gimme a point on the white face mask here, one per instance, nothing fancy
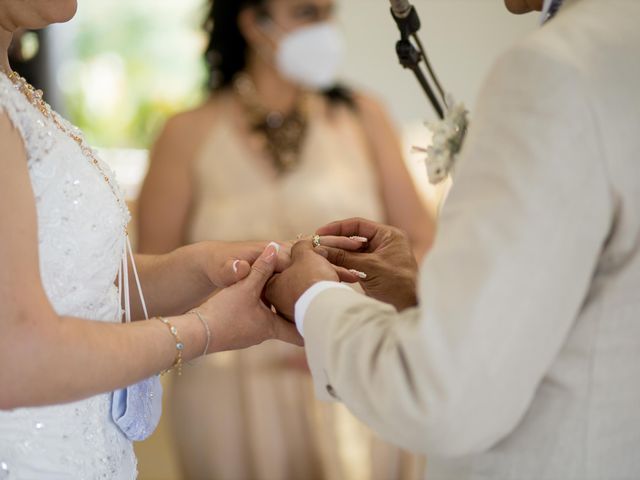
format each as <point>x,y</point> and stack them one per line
<point>311,56</point>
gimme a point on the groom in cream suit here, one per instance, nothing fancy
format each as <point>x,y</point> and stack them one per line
<point>515,352</point>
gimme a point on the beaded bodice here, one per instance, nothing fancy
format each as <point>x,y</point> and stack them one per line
<point>81,238</point>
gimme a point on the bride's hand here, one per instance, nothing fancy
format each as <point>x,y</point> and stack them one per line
<point>225,263</point>
<point>236,315</point>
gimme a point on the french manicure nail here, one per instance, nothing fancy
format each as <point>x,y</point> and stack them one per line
<point>274,254</point>
<point>359,274</point>
<point>235,265</point>
<point>359,239</point>
<point>275,245</point>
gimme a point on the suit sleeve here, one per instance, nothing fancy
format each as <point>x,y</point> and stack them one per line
<point>517,246</point>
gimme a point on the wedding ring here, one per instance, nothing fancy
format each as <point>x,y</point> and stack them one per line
<point>316,241</point>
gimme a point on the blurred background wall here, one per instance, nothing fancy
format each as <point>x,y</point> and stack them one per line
<point>462,37</point>
<point>121,67</point>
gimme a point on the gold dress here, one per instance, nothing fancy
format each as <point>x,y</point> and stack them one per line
<point>252,414</point>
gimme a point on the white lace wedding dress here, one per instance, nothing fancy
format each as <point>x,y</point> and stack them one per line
<point>81,240</point>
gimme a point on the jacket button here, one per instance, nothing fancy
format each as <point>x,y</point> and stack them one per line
<point>332,391</point>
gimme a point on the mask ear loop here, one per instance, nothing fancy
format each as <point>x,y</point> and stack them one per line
<point>123,282</point>
<point>262,14</point>
<point>271,28</point>
<point>267,54</point>
<point>137,278</point>
<point>125,290</point>
<point>120,290</point>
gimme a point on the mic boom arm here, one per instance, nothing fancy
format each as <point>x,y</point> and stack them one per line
<point>410,56</point>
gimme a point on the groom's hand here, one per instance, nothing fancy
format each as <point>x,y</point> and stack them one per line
<point>387,260</point>
<point>306,269</point>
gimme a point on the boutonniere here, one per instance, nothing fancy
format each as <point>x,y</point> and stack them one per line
<point>448,132</point>
<point>447,137</point>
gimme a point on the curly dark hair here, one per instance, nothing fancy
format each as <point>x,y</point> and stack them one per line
<point>226,53</point>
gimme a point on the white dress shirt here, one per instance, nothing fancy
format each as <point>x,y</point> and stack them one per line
<point>302,305</point>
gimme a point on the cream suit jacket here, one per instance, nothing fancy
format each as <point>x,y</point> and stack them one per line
<point>523,358</point>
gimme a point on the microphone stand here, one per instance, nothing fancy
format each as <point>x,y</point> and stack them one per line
<point>411,57</point>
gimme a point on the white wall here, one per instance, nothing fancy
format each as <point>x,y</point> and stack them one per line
<point>462,38</point>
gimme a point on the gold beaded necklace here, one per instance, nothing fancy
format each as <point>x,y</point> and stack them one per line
<point>35,98</point>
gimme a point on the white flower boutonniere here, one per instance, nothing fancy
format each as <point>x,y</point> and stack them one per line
<point>447,137</point>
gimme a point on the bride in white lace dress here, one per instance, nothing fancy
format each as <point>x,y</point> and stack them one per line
<point>62,245</point>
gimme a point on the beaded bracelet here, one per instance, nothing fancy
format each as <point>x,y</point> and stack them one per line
<point>206,328</point>
<point>177,364</point>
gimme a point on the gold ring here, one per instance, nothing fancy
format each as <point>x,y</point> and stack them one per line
<point>316,241</point>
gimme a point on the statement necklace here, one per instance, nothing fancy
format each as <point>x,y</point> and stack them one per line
<point>284,133</point>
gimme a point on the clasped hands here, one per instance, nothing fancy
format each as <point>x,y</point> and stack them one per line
<point>262,285</point>
<point>376,256</point>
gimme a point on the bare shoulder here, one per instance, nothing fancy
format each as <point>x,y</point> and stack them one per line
<point>369,105</point>
<point>374,117</point>
<point>186,131</point>
<point>194,121</point>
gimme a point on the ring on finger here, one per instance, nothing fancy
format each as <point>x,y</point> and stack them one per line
<point>316,241</point>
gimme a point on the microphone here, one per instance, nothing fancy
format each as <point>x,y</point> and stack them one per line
<point>406,17</point>
<point>400,8</point>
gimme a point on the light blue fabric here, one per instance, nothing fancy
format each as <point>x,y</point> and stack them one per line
<point>136,410</point>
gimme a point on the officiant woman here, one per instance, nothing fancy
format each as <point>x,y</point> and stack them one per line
<point>276,150</point>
